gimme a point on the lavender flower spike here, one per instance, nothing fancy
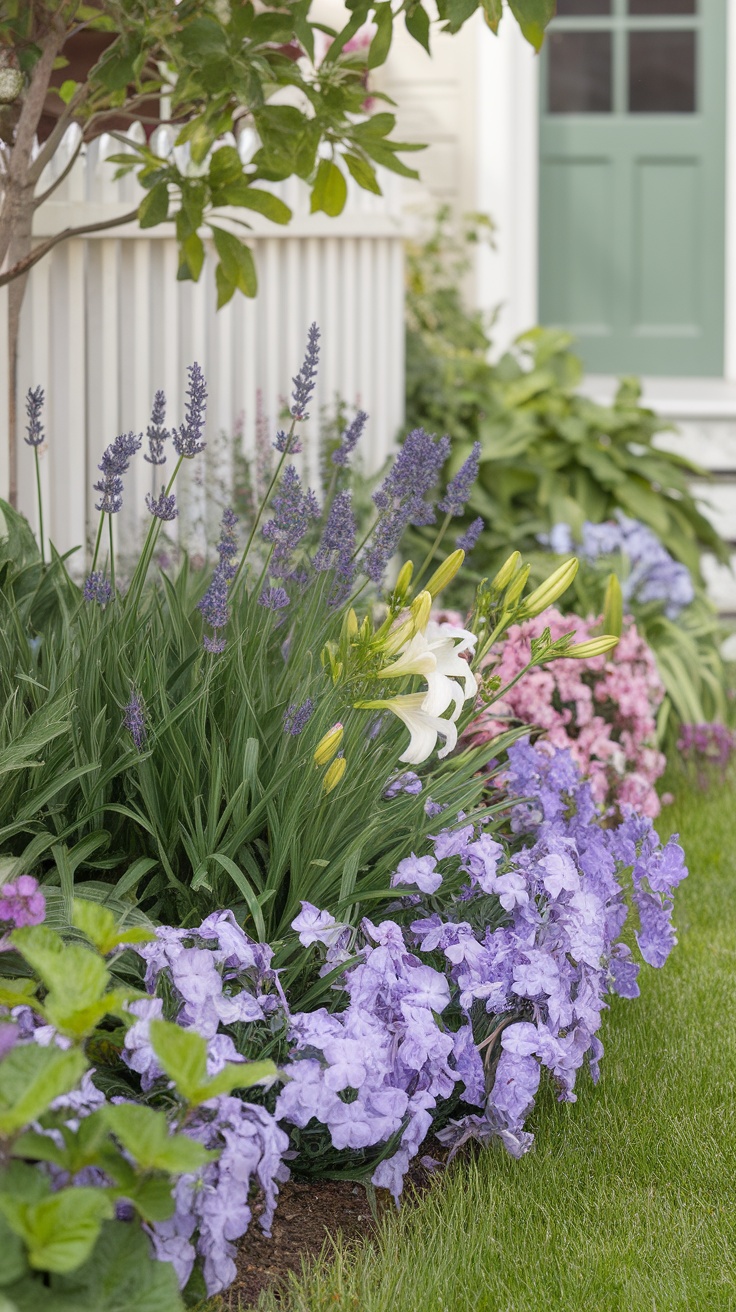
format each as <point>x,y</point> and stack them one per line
<point>134,719</point>
<point>274,599</point>
<point>458,489</point>
<point>296,717</point>
<point>156,433</point>
<point>214,604</point>
<point>287,443</point>
<point>188,439</point>
<point>162,507</point>
<point>98,589</point>
<point>113,465</point>
<point>304,382</point>
<point>34,408</point>
<point>337,547</point>
<point>350,439</point>
<point>467,540</point>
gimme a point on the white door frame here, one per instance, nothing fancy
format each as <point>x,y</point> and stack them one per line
<point>507,181</point>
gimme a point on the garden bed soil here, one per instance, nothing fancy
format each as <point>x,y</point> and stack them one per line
<point>308,1213</point>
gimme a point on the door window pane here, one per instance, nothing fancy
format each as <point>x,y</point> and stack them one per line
<point>643,8</point>
<point>573,8</point>
<point>662,72</point>
<point>579,73</point>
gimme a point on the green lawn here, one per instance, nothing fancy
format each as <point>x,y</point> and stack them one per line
<point>628,1201</point>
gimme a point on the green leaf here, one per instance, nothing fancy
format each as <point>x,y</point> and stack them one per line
<point>15,991</point>
<point>363,173</point>
<point>60,1231</point>
<point>63,967</point>
<point>146,1136</point>
<point>192,258</point>
<point>533,17</point>
<point>154,208</point>
<point>67,89</point>
<point>121,1276</point>
<point>381,43</point>
<point>225,288</point>
<point>417,25</point>
<point>31,1078</point>
<point>182,1054</point>
<point>13,1265</point>
<point>225,167</point>
<point>99,925</point>
<point>237,261</point>
<point>330,191</point>
<point>493,13</point>
<point>237,1075</point>
<point>252,198</point>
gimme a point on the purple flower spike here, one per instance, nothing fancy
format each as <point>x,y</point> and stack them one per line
<point>467,540</point>
<point>22,902</point>
<point>292,511</point>
<point>97,589</point>
<point>337,548</point>
<point>134,719</point>
<point>402,497</point>
<point>188,439</point>
<point>162,507</point>
<point>34,408</point>
<point>214,604</point>
<point>274,599</point>
<point>288,442</point>
<point>296,717</point>
<point>350,438</point>
<point>305,380</point>
<point>458,489</point>
<point>156,433</point>
<point>113,465</point>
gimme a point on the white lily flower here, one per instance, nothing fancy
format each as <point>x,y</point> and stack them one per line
<point>414,658</point>
<point>436,655</point>
<point>423,727</point>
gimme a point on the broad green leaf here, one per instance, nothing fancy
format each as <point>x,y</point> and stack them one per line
<point>67,90</point>
<point>59,1231</point>
<point>225,167</point>
<point>146,1136</point>
<point>237,261</point>
<point>182,1054</point>
<point>225,288</point>
<point>15,991</point>
<point>381,43</point>
<point>417,25</point>
<point>154,208</point>
<point>191,258</point>
<point>533,17</point>
<point>100,927</point>
<point>238,1075</point>
<point>239,193</point>
<point>121,1276</point>
<point>13,1265</point>
<point>363,173</point>
<point>493,13</point>
<point>65,968</point>
<point>79,1022</point>
<point>31,1078</point>
<point>330,191</point>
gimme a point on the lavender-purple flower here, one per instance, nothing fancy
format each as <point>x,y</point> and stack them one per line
<point>458,489</point>
<point>214,604</point>
<point>156,433</point>
<point>467,540</point>
<point>134,719</point>
<point>296,717</point>
<point>274,599</point>
<point>113,465</point>
<point>188,438</point>
<point>292,511</point>
<point>402,497</point>
<point>337,547</point>
<point>350,438</point>
<point>305,380</point>
<point>97,589</point>
<point>163,506</point>
<point>34,410</point>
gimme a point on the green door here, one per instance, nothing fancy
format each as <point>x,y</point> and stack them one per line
<point>632,200</point>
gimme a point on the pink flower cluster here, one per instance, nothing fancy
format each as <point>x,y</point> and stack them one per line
<point>603,710</point>
<point>22,903</point>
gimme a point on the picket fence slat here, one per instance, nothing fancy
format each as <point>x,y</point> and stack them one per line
<point>105,323</point>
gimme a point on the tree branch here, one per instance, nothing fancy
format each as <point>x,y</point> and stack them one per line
<point>38,252</point>
<point>47,151</point>
<point>33,102</point>
<point>39,200</point>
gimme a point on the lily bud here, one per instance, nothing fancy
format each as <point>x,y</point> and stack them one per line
<point>550,590</point>
<point>328,745</point>
<point>445,573</point>
<point>596,647</point>
<point>506,572</point>
<point>613,607</point>
<point>420,609</point>
<point>351,623</point>
<point>403,582</point>
<point>517,587</point>
<point>335,774</point>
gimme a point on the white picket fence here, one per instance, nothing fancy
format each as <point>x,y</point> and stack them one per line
<point>105,323</point>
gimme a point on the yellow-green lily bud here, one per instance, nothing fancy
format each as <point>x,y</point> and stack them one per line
<point>613,607</point>
<point>517,587</point>
<point>328,745</point>
<point>403,582</point>
<point>506,572</point>
<point>335,774</point>
<point>445,573</point>
<point>351,624</point>
<point>366,628</point>
<point>420,609</point>
<point>596,647</point>
<point>550,590</point>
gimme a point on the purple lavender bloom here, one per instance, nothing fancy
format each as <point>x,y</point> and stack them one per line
<point>22,902</point>
<point>467,540</point>
<point>274,599</point>
<point>402,497</point>
<point>458,489</point>
<point>188,439</point>
<point>97,589</point>
<point>163,506</point>
<point>409,782</point>
<point>34,409</point>
<point>113,465</point>
<point>134,719</point>
<point>214,604</point>
<point>350,438</point>
<point>288,443</point>
<point>156,433</point>
<point>292,511</point>
<point>305,380</point>
<point>337,548</point>
<point>296,717</point>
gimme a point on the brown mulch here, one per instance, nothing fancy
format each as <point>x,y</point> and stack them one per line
<point>309,1212</point>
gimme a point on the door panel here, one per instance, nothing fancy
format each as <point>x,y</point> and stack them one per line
<point>632,199</point>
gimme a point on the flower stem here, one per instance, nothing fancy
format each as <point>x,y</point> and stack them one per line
<point>98,541</point>
<point>40,505</point>
<point>112,555</point>
<point>262,507</point>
